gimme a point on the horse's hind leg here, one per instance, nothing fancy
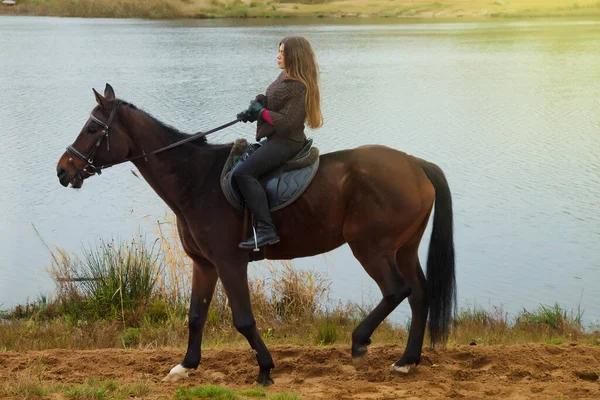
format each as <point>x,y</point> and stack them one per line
<point>408,263</point>
<point>394,288</point>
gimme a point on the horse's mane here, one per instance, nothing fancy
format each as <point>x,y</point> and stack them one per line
<point>176,133</point>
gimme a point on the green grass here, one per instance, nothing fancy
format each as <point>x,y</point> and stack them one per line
<point>206,392</point>
<point>115,281</point>
<point>253,393</point>
<point>284,396</point>
<point>547,324</point>
<point>221,393</point>
<point>95,389</point>
<point>326,332</point>
<point>552,316</point>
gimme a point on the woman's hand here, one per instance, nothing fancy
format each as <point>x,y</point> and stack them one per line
<point>254,111</point>
<point>244,116</point>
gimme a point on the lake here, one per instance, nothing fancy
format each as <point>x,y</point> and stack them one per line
<point>510,110</point>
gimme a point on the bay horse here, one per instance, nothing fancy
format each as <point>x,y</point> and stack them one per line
<point>376,199</point>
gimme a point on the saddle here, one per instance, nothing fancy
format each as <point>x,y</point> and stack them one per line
<point>283,185</point>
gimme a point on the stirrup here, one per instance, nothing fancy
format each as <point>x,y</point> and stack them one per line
<point>255,249</point>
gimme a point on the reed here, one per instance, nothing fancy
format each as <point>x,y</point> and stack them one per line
<point>550,324</point>
<point>115,281</point>
<point>134,294</point>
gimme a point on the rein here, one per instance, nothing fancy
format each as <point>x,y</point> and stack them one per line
<point>195,136</point>
<point>90,169</point>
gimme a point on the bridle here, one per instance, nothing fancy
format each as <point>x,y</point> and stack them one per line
<point>90,169</point>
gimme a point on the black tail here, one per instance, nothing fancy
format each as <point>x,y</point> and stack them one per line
<point>441,281</point>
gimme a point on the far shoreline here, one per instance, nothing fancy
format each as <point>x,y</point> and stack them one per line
<point>391,11</point>
<point>329,20</point>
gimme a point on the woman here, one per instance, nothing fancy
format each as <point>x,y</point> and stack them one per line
<point>290,101</point>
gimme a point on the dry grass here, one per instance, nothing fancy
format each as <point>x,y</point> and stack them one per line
<point>27,383</point>
<point>547,324</point>
<point>174,286</point>
<point>127,295</point>
<point>441,9</point>
<point>31,383</point>
<point>122,294</point>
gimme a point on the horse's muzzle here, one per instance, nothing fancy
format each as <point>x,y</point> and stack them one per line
<point>63,176</point>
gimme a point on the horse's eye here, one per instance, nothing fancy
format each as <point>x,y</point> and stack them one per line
<point>92,130</point>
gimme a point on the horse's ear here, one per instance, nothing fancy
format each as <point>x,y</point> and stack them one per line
<point>109,93</point>
<point>99,99</point>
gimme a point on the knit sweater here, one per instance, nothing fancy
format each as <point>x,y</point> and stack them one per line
<point>285,102</point>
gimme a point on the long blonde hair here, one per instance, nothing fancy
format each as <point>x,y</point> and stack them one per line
<point>301,65</point>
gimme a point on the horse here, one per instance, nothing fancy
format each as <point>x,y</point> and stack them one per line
<point>376,199</point>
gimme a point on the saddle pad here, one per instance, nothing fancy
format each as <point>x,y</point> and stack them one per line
<point>282,186</point>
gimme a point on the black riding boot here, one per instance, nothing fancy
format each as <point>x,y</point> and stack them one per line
<point>257,202</point>
<point>269,156</point>
<point>265,235</point>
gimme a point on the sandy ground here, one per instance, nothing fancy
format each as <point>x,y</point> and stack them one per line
<point>469,372</point>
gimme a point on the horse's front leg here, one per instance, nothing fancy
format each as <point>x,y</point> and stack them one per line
<point>235,283</point>
<point>204,279</point>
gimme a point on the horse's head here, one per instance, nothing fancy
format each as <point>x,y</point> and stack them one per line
<point>102,141</point>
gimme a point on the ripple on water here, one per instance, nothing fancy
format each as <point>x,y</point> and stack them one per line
<point>517,140</point>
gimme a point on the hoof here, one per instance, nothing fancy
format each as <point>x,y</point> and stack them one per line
<point>403,370</point>
<point>358,355</point>
<point>264,378</point>
<point>177,373</point>
<point>265,381</point>
<point>359,351</point>
<point>268,381</point>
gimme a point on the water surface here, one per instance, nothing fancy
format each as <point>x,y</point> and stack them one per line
<point>510,111</point>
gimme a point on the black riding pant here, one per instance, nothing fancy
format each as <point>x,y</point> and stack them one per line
<point>272,154</point>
